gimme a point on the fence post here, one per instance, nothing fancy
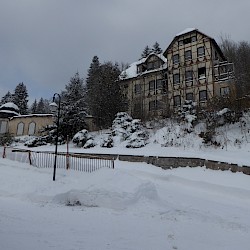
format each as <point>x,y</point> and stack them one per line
<point>4,151</point>
<point>67,154</point>
<point>30,158</point>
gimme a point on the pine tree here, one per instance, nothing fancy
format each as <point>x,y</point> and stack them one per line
<point>33,108</point>
<point>93,84</point>
<point>73,109</point>
<point>41,106</point>
<point>146,52</point>
<point>20,98</point>
<point>156,48</point>
<point>104,95</point>
<point>8,97</point>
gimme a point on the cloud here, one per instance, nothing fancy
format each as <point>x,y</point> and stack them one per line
<point>44,42</point>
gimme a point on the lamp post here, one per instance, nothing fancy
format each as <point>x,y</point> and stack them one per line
<point>54,107</point>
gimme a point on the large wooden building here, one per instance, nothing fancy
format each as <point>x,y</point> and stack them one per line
<point>192,67</point>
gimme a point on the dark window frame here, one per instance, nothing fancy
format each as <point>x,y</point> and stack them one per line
<point>200,51</point>
<point>202,95</point>
<point>188,55</point>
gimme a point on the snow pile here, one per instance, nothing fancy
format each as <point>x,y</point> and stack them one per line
<point>134,206</point>
<point>107,199</point>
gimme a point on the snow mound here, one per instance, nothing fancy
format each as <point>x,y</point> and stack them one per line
<point>108,199</point>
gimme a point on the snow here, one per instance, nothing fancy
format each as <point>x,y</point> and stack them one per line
<point>134,206</point>
<point>131,71</point>
<point>10,105</point>
<point>187,30</point>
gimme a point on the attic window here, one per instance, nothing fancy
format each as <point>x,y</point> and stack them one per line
<point>187,40</point>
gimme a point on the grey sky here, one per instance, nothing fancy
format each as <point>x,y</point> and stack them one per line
<point>45,42</point>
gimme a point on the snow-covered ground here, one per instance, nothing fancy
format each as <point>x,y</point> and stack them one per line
<point>134,206</point>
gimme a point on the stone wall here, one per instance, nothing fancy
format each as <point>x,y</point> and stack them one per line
<point>175,162</point>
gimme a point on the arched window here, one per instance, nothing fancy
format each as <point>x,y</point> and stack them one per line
<point>3,127</point>
<point>20,128</point>
<point>32,128</point>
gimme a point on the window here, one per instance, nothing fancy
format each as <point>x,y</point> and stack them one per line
<point>152,85</point>
<point>189,76</point>
<point>187,40</point>
<point>155,105</point>
<point>159,84</point>
<point>3,127</point>
<point>188,55</point>
<point>202,73</point>
<point>193,38</point>
<point>32,127</point>
<point>20,128</point>
<point>224,91</point>
<point>203,95</point>
<point>150,65</point>
<point>138,89</point>
<point>177,100</point>
<point>180,43</point>
<point>176,59</point>
<point>176,78</point>
<point>200,51</point>
<point>137,107</point>
<point>189,96</point>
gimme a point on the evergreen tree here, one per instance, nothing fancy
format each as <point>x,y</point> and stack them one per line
<point>73,107</point>
<point>156,48</point>
<point>41,107</point>
<point>104,95</point>
<point>146,52</point>
<point>20,98</point>
<point>33,108</point>
<point>93,83</point>
<point>8,97</point>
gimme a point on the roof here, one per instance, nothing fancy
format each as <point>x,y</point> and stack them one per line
<point>189,30</point>
<point>30,115</point>
<point>131,71</point>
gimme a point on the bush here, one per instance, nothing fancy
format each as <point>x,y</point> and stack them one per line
<point>6,139</point>
<point>35,142</point>
<point>107,142</point>
<point>83,139</point>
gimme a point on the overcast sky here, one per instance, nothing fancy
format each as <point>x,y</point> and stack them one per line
<point>45,42</point>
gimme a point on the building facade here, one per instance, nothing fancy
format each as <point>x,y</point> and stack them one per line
<point>192,67</point>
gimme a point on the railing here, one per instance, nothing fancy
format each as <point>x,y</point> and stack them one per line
<point>43,159</point>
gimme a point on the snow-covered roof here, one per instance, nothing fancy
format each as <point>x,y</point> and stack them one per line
<point>131,71</point>
<point>187,30</point>
<point>9,105</point>
<point>30,115</point>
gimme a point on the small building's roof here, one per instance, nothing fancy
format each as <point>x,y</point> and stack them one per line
<point>9,106</point>
<point>9,109</point>
<point>30,115</point>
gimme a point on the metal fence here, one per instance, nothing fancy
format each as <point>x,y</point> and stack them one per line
<point>42,159</point>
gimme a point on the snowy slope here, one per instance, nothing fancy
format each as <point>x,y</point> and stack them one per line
<point>134,206</point>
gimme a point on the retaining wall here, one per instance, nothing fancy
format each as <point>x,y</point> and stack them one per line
<point>175,162</point>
